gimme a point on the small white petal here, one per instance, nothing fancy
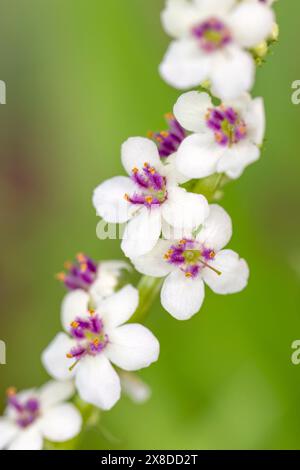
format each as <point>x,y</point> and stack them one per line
<point>251,23</point>
<point>153,263</point>
<point>198,155</point>
<point>75,304</point>
<point>232,73</point>
<point>234,273</point>
<point>184,210</point>
<point>54,392</point>
<point>97,382</point>
<point>29,439</point>
<point>256,120</point>
<point>109,199</point>
<point>54,357</point>
<point>137,390</point>
<point>184,65</point>
<point>215,6</point>
<point>142,232</point>
<point>238,157</point>
<point>182,297</point>
<point>178,17</point>
<point>119,307</point>
<point>171,172</point>
<point>132,347</point>
<point>137,151</point>
<point>8,431</point>
<point>61,423</point>
<point>216,230</point>
<point>190,110</point>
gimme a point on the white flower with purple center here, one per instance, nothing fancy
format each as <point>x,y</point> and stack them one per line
<point>34,415</point>
<point>169,141</point>
<point>148,199</point>
<point>211,42</point>
<point>99,279</point>
<point>189,263</point>
<point>226,139</point>
<point>97,338</point>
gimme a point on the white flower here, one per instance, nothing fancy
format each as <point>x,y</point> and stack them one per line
<point>33,415</point>
<point>99,279</point>
<point>147,199</point>
<point>97,338</point>
<point>226,138</point>
<point>210,41</point>
<point>190,262</point>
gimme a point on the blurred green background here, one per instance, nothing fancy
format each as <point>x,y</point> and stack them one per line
<point>81,77</point>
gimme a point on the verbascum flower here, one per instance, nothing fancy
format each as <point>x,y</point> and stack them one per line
<point>34,415</point>
<point>99,279</point>
<point>189,263</point>
<point>132,386</point>
<point>147,199</point>
<point>94,339</point>
<point>211,42</point>
<point>226,139</point>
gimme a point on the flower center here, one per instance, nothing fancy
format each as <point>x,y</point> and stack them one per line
<point>79,275</point>
<point>90,337</point>
<point>190,257</point>
<point>151,186</point>
<point>26,412</point>
<point>212,35</point>
<point>169,141</point>
<point>226,124</point>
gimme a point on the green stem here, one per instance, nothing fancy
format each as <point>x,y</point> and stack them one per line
<point>148,288</point>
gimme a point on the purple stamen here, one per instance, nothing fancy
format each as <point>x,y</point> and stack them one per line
<point>169,141</point>
<point>226,124</point>
<point>79,275</point>
<point>26,412</point>
<point>151,185</point>
<point>212,35</point>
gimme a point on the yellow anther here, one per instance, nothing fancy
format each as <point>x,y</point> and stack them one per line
<point>91,311</point>
<point>150,134</point>
<point>69,356</point>
<point>60,276</point>
<point>164,134</point>
<point>126,197</point>
<point>169,116</point>
<point>11,391</point>
<point>81,257</point>
<point>188,275</point>
<point>212,254</point>
<point>96,341</point>
<point>74,324</point>
<point>149,199</point>
<point>135,170</point>
<point>83,267</point>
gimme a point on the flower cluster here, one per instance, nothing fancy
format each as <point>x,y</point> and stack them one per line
<point>173,228</point>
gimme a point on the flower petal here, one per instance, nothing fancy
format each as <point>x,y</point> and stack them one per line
<point>29,439</point>
<point>215,6</point>
<point>119,307</point>
<point>54,392</point>
<point>182,297</point>
<point>54,357</point>
<point>132,347</point>
<point>109,199</point>
<point>137,390</point>
<point>137,151</point>
<point>75,304</point>
<point>142,232</point>
<point>8,431</point>
<point>184,65</point>
<point>216,230</point>
<point>234,273</point>
<point>190,110</point>
<point>185,211</point>
<point>178,17</point>
<point>61,423</point>
<point>256,120</point>
<point>97,382</point>
<point>153,263</point>
<point>232,73</point>
<point>237,158</point>
<point>198,155</point>
<point>251,23</point>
